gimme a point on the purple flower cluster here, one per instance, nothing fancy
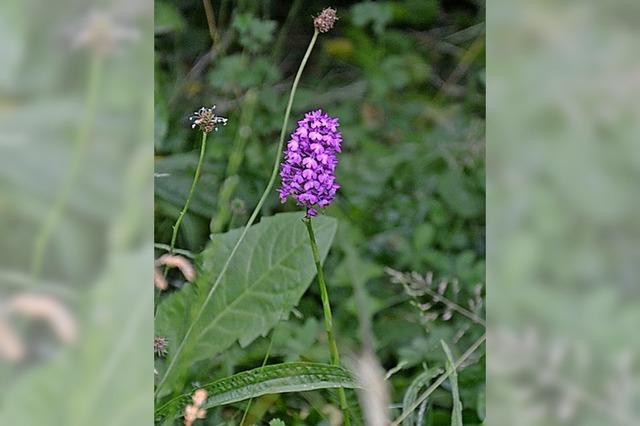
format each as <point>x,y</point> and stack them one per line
<point>308,169</point>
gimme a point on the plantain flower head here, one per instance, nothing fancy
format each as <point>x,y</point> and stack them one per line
<point>325,21</point>
<point>206,120</point>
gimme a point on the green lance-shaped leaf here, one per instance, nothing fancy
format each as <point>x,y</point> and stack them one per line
<point>456,412</point>
<point>411,395</point>
<point>278,378</point>
<point>266,278</point>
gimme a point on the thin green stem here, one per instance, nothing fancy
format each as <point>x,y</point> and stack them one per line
<point>196,177</point>
<point>82,140</point>
<point>328,318</point>
<point>264,362</point>
<point>252,218</point>
<point>183,212</point>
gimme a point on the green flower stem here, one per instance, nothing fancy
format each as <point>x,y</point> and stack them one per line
<point>328,318</point>
<point>196,177</point>
<point>183,212</point>
<point>252,218</point>
<point>79,151</point>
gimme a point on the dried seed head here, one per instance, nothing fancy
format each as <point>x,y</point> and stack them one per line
<point>324,22</point>
<point>159,281</point>
<point>160,346</point>
<point>193,412</point>
<point>199,397</point>
<point>206,120</point>
<point>173,261</point>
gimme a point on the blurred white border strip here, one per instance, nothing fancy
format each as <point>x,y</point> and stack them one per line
<point>563,225</point>
<point>76,182</point>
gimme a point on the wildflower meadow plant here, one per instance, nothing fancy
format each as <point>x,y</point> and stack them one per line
<point>237,282</point>
<point>207,121</point>
<point>308,169</point>
<point>308,176</point>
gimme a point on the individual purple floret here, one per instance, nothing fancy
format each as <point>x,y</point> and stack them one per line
<point>308,169</point>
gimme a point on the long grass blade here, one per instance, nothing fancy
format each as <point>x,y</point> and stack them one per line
<point>278,378</point>
<point>456,411</point>
<point>440,380</point>
<point>411,395</point>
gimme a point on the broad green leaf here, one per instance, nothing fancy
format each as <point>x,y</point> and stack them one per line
<point>266,278</point>
<point>278,378</point>
<point>456,412</point>
<point>411,395</point>
<point>276,422</point>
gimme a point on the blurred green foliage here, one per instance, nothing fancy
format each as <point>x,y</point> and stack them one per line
<point>564,214</point>
<point>406,79</point>
<point>76,112</point>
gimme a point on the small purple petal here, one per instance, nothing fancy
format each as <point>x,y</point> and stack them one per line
<point>310,161</point>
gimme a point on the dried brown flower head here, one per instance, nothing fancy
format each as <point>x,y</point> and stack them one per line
<point>193,412</point>
<point>160,346</point>
<point>172,261</point>
<point>199,397</point>
<point>206,120</point>
<point>324,22</point>
<point>159,281</point>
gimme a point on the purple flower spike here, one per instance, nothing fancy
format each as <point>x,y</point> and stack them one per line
<point>308,169</point>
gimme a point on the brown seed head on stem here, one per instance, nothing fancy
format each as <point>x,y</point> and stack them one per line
<point>324,22</point>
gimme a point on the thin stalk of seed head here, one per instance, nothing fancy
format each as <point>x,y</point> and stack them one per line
<point>252,218</point>
<point>82,140</point>
<point>196,177</point>
<point>328,318</point>
<point>211,23</point>
<point>440,380</point>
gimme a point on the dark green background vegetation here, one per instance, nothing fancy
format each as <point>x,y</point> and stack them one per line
<point>406,79</point>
